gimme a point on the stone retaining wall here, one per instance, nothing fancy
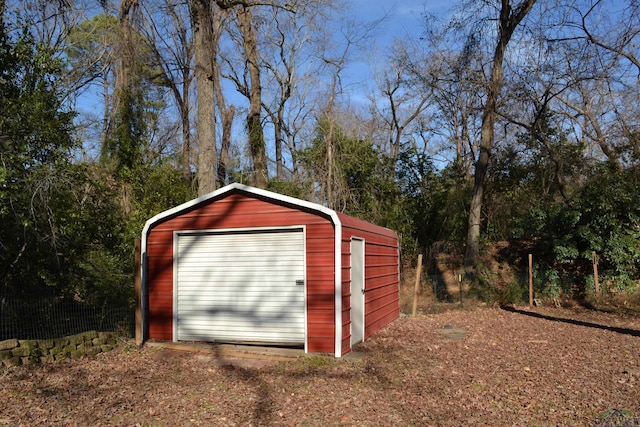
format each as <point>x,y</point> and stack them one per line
<point>16,352</point>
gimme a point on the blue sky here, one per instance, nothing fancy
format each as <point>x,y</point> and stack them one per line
<point>403,18</point>
<point>400,8</point>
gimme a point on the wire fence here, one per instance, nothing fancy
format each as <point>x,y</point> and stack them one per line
<point>55,318</point>
<point>513,287</point>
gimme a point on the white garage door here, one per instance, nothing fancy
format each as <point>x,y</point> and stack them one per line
<point>240,286</point>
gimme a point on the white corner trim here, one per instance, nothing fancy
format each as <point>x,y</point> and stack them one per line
<point>337,293</point>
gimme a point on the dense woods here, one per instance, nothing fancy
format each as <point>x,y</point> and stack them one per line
<point>500,121</point>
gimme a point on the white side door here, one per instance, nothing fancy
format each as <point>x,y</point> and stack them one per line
<point>357,291</point>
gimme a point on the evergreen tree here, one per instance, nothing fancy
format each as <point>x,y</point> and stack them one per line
<point>35,146</point>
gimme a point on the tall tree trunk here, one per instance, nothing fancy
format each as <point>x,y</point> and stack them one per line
<point>226,114</point>
<point>257,145</point>
<point>186,131</point>
<point>225,143</point>
<point>509,20</point>
<point>124,145</point>
<point>328,143</point>
<point>105,133</point>
<point>122,80</point>
<point>277,131</point>
<point>330,183</point>
<point>201,22</point>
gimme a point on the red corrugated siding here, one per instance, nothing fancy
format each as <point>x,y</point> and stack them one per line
<point>238,209</point>
<point>321,337</point>
<point>381,276</point>
<point>244,211</point>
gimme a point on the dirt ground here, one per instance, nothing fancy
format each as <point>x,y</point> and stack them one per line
<point>486,366</point>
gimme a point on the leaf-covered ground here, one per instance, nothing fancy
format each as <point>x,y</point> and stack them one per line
<point>481,367</point>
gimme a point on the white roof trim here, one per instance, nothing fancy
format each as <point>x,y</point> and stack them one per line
<point>269,195</point>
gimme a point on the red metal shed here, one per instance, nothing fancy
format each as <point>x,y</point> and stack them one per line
<point>247,265</point>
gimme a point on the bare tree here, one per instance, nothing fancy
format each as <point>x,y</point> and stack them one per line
<point>257,145</point>
<point>290,58</point>
<point>172,50</point>
<point>227,113</point>
<point>339,48</point>
<point>509,17</point>
<point>49,21</point>
<point>249,84</point>
<point>606,36</point>
<point>405,100</point>
<point>287,39</point>
<point>205,52</point>
<point>620,39</point>
<point>435,65</point>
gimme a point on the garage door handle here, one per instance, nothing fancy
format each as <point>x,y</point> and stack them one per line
<point>299,282</point>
